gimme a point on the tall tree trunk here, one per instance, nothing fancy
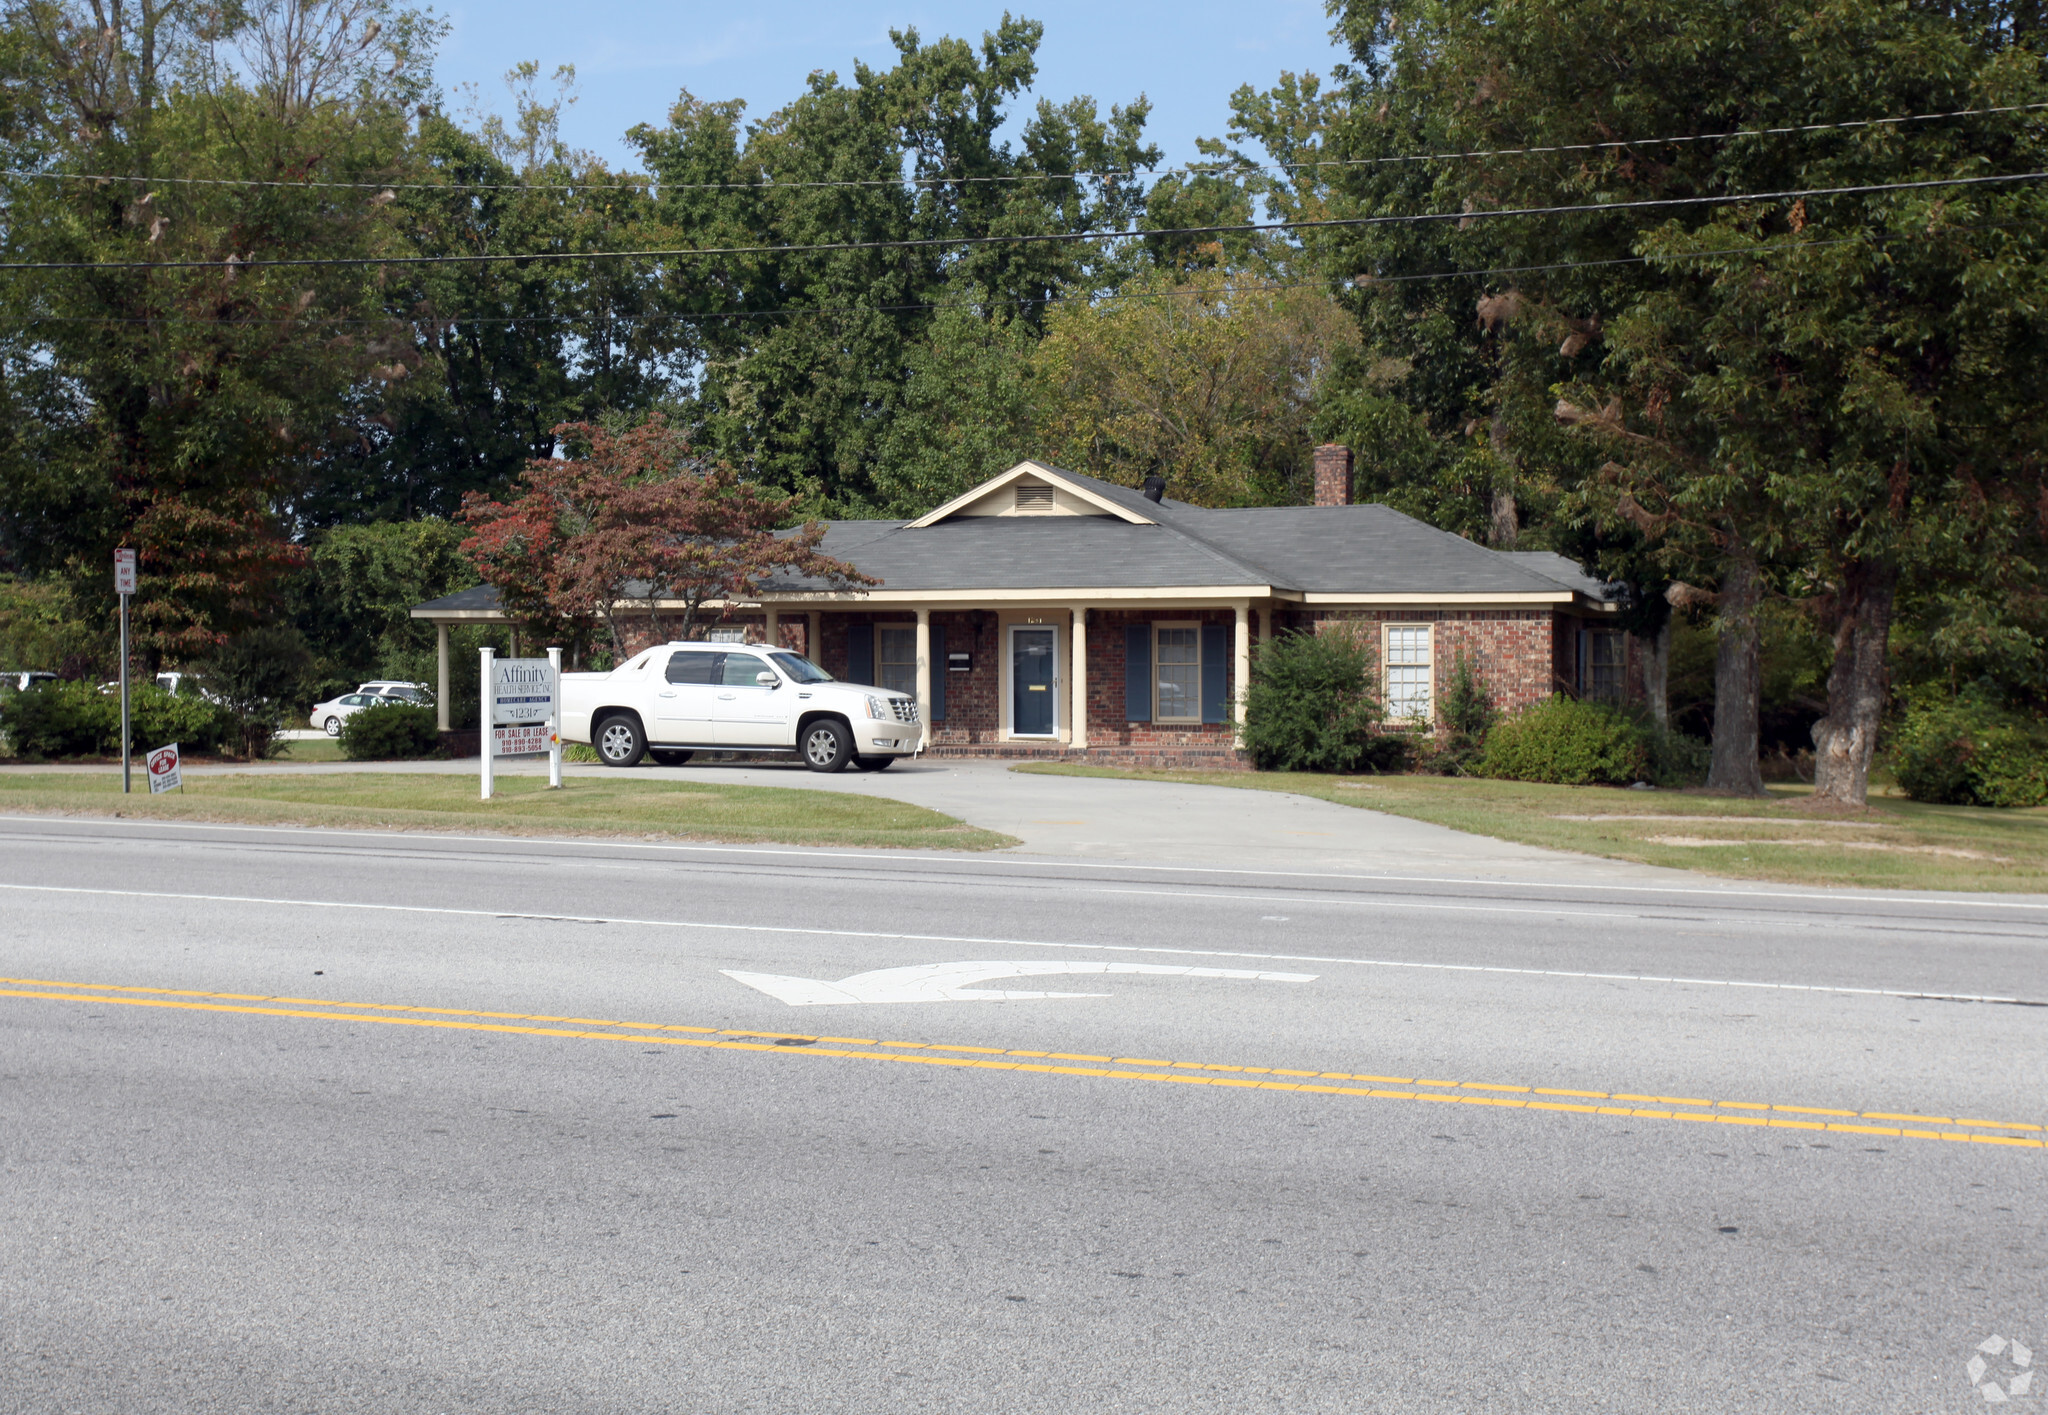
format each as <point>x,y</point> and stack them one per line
<point>1844,740</point>
<point>1738,679</point>
<point>1656,659</point>
<point>1504,518</point>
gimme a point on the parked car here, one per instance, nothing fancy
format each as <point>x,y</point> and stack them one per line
<point>329,716</point>
<point>682,698</point>
<point>21,682</point>
<point>395,688</point>
<point>173,682</point>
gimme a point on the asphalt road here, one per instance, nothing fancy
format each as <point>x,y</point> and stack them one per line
<point>321,1121</point>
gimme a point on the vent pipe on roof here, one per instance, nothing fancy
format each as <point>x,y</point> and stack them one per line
<point>1155,488</point>
<point>1333,474</point>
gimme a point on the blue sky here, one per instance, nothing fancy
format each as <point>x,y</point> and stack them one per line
<point>632,57</point>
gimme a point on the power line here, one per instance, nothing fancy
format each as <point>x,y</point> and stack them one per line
<point>649,184</point>
<point>236,264</point>
<point>1019,302</point>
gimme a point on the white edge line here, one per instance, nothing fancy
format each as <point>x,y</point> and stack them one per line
<point>1046,862</point>
<point>1914,993</point>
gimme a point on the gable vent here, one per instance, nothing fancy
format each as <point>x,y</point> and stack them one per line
<point>1034,498</point>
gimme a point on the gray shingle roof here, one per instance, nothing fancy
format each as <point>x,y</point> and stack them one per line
<point>1367,549</point>
<point>1342,550</point>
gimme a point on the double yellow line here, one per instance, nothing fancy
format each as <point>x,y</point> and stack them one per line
<point>1892,1124</point>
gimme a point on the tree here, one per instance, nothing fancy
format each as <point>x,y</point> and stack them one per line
<point>805,354</point>
<point>1210,383</point>
<point>1803,396</point>
<point>631,521</point>
<point>192,385</point>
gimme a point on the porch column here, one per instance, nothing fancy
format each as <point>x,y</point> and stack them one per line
<point>814,650</point>
<point>1078,715</point>
<point>515,645</point>
<point>772,630</point>
<point>1265,624</point>
<point>441,675</point>
<point>1244,668</point>
<point>924,671</point>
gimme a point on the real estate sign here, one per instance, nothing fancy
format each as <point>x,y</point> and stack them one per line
<point>522,706</point>
<point>164,773</point>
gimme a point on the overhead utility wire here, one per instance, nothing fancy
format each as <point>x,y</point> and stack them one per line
<point>1019,302</point>
<point>235,263</point>
<point>645,183</point>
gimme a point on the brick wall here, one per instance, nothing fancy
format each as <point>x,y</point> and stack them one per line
<point>1519,654</point>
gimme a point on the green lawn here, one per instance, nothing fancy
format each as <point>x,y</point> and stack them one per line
<point>325,749</point>
<point>524,806</point>
<point>1895,844</point>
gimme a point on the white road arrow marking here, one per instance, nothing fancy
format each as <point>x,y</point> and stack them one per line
<point>948,982</point>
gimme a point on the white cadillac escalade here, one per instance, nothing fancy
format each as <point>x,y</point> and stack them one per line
<point>681,698</point>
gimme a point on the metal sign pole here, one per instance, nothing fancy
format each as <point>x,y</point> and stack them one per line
<point>125,786</point>
<point>555,719</point>
<point>486,716</point>
<point>124,586</point>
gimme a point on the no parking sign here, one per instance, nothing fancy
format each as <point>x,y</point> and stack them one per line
<point>163,770</point>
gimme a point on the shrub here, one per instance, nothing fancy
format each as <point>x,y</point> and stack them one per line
<point>1469,714</point>
<point>256,677</point>
<point>78,720</point>
<point>1568,743</point>
<point>391,730</point>
<point>156,717</point>
<point>62,720</point>
<point>1970,750</point>
<point>1311,707</point>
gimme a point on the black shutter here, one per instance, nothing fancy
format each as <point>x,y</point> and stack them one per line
<point>939,669</point>
<point>1137,673</point>
<point>1215,673</point>
<point>860,653</point>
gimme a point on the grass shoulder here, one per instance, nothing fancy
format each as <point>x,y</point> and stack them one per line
<point>523,806</point>
<point>1894,844</point>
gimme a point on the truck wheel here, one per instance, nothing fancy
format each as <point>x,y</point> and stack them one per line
<point>828,745</point>
<point>668,756</point>
<point>620,742</point>
<point>873,763</point>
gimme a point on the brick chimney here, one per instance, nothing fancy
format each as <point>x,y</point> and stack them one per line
<point>1333,475</point>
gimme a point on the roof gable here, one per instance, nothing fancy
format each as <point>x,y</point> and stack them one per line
<point>1012,494</point>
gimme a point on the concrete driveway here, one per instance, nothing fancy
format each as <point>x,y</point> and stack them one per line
<point>1097,818</point>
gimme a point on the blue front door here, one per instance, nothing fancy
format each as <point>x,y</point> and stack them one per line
<point>1031,694</point>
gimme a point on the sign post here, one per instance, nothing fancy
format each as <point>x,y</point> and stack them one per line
<point>519,712</point>
<point>555,720</point>
<point>487,715</point>
<point>124,586</point>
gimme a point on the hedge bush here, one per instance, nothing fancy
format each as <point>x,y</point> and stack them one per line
<point>1970,750</point>
<point>1566,742</point>
<point>78,720</point>
<point>1311,707</point>
<point>389,731</point>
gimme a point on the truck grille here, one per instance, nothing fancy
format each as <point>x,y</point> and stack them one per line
<point>906,709</point>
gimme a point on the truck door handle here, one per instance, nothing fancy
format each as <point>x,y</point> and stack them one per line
<point>667,694</point>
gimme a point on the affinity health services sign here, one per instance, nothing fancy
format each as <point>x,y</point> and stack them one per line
<point>520,703</point>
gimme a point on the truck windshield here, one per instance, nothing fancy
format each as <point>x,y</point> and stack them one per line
<point>799,669</point>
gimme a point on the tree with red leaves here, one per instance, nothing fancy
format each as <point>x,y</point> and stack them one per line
<point>632,523</point>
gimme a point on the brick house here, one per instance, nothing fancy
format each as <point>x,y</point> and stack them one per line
<point>1047,613</point>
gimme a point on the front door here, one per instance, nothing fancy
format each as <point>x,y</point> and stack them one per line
<point>1032,712</point>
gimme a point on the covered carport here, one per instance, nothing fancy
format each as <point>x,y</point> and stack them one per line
<point>472,606</point>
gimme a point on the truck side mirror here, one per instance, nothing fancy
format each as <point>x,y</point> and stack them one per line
<point>767,679</point>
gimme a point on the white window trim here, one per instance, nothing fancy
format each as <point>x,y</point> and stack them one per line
<point>1387,666</point>
<point>1157,697</point>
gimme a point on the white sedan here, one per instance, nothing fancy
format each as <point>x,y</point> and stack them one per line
<point>329,716</point>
